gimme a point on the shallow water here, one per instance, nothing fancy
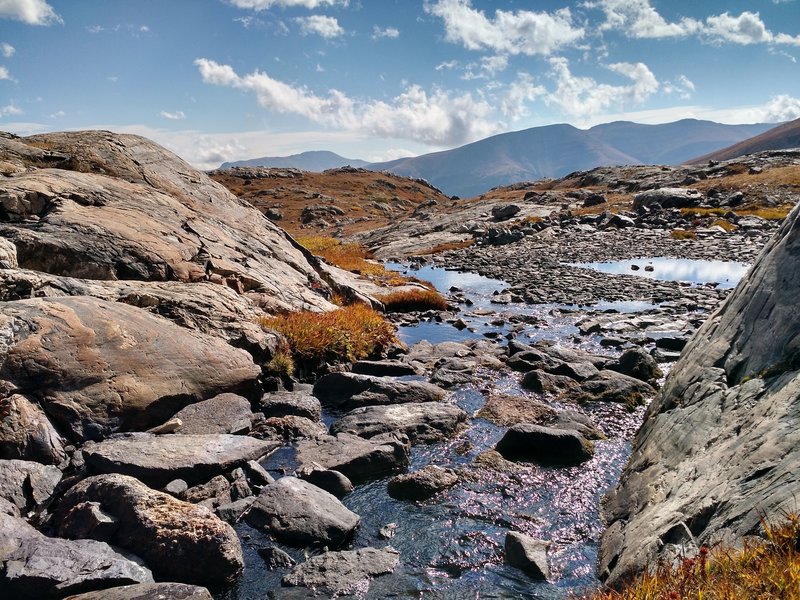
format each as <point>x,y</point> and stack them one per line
<point>451,546</point>
<point>725,274</point>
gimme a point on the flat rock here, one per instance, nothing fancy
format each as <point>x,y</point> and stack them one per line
<point>348,391</point>
<point>299,514</point>
<point>288,429</point>
<point>359,459</point>
<point>329,480</point>
<point>422,484</point>
<point>337,573</point>
<point>528,554</point>
<point>506,410</point>
<point>148,591</point>
<point>383,368</point>
<point>542,382</point>
<point>421,422</point>
<point>284,404</point>
<point>159,459</point>
<point>27,484</point>
<point>610,386</point>
<point>35,566</point>
<point>26,432</point>
<point>225,413</point>
<point>98,366</point>
<point>638,364</point>
<point>178,540</point>
<point>545,445</point>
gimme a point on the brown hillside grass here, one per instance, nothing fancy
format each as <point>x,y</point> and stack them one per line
<point>411,300</point>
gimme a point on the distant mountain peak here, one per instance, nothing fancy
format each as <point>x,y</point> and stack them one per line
<point>313,160</point>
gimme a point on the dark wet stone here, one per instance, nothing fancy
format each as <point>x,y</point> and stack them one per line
<point>545,445</point>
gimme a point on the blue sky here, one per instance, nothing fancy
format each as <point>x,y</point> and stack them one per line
<point>218,80</point>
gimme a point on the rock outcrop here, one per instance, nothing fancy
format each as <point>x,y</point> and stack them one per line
<point>720,448</point>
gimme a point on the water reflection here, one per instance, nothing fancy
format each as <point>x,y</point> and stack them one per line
<point>726,274</point>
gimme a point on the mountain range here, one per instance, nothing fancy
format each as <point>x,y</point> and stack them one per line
<point>779,138</point>
<point>540,152</point>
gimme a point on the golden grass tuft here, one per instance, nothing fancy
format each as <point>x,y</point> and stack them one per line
<point>445,247</point>
<point>767,569</point>
<point>350,257</point>
<point>683,234</point>
<point>345,335</point>
<point>726,225</point>
<point>411,300</point>
<point>282,363</point>
<point>777,213</point>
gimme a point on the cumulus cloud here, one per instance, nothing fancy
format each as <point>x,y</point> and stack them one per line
<point>10,109</point>
<point>265,4</point>
<point>487,68</point>
<point>7,50</point>
<point>388,32</point>
<point>514,104</point>
<point>521,32</point>
<point>780,108</point>
<point>4,74</point>
<point>327,27</point>
<point>583,97</point>
<point>639,19</point>
<point>32,12</point>
<point>437,117</point>
<point>682,86</point>
<point>173,116</point>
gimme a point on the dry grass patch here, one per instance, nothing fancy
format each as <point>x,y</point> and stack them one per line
<point>350,257</point>
<point>683,234</point>
<point>766,569</point>
<point>345,335</point>
<point>411,300</point>
<point>445,247</point>
<point>726,225</point>
<point>777,213</point>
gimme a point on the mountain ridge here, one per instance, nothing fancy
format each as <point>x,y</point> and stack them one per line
<point>312,160</point>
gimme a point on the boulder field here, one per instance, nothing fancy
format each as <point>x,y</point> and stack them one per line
<point>719,450</point>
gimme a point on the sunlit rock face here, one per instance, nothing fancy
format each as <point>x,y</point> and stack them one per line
<point>720,448</point>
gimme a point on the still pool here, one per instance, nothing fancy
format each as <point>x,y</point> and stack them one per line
<point>724,274</point>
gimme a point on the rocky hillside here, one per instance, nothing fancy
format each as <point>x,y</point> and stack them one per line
<point>780,138</point>
<point>337,201</point>
<point>719,450</point>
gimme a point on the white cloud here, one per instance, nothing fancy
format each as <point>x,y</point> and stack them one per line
<point>682,86</point>
<point>32,12</point>
<point>4,74</point>
<point>520,32</point>
<point>7,50</point>
<point>640,20</point>
<point>583,97</point>
<point>265,4</point>
<point>390,154</point>
<point>514,105</point>
<point>58,114</point>
<point>10,109</point>
<point>173,116</point>
<point>388,32</point>
<point>780,108</point>
<point>487,68</point>
<point>327,27</point>
<point>438,117</point>
<point>447,65</point>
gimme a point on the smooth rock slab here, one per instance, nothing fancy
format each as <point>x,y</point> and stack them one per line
<point>359,459</point>
<point>528,554</point>
<point>225,413</point>
<point>339,573</point>
<point>26,432</point>
<point>422,484</point>
<point>284,404</point>
<point>348,390</point>
<point>179,541</point>
<point>26,483</point>
<point>421,422</point>
<point>35,566</point>
<point>545,445</point>
<point>158,459</point>
<point>610,386</point>
<point>97,366</point>
<point>148,591</point>
<point>300,514</point>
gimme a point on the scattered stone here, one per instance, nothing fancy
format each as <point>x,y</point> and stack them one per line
<point>638,364</point>
<point>422,422</point>
<point>502,212</point>
<point>284,404</point>
<point>275,558</point>
<point>27,434</point>
<point>541,382</point>
<point>357,458</point>
<point>298,513</point>
<point>159,459</point>
<point>527,554</point>
<point>27,484</point>
<point>329,480</point>
<point>225,413</point>
<point>148,591</point>
<point>610,386</point>
<point>288,429</point>
<point>545,445</point>
<point>180,541</point>
<point>383,368</point>
<point>422,484</point>
<point>338,573</point>
<point>348,390</point>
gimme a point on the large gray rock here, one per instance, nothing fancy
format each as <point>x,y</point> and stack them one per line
<point>98,366</point>
<point>545,445</point>
<point>338,573</point>
<point>27,484</point>
<point>421,422</point>
<point>422,484</point>
<point>26,432</point>
<point>35,566</point>
<point>300,514</point>
<point>225,413</point>
<point>359,459</point>
<point>284,404</point>
<point>179,541</point>
<point>719,449</point>
<point>528,554</point>
<point>153,217</point>
<point>148,591</point>
<point>348,391</point>
<point>668,197</point>
<point>610,386</point>
<point>159,459</point>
